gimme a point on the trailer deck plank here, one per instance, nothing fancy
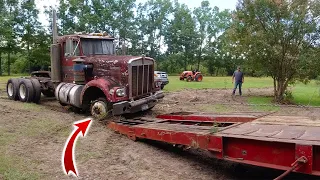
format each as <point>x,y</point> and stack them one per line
<point>289,120</point>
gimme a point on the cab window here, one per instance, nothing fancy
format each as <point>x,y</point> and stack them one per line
<point>76,49</point>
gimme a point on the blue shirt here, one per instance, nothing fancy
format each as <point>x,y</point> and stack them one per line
<point>238,75</point>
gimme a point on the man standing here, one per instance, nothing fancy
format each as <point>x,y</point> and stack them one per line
<point>238,79</point>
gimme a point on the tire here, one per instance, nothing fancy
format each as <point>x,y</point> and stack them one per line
<point>13,89</point>
<point>189,79</point>
<point>26,90</point>
<point>37,90</point>
<point>199,77</point>
<point>99,109</point>
<point>162,86</point>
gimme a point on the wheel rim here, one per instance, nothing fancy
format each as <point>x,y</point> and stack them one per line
<point>10,89</point>
<point>22,91</point>
<point>200,78</point>
<point>98,109</point>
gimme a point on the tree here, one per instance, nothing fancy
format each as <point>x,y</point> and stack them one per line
<point>28,26</point>
<point>276,35</point>
<point>181,34</point>
<point>203,16</point>
<point>9,34</point>
<point>2,31</point>
<point>122,25</point>
<point>101,18</point>
<point>154,22</point>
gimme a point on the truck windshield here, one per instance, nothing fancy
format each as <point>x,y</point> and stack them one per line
<point>97,47</point>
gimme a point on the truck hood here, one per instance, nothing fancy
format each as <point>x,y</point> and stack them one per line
<point>110,59</point>
<point>111,66</point>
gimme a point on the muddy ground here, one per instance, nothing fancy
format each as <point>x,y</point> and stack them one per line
<point>32,138</point>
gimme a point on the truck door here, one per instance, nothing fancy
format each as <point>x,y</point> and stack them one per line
<point>71,51</point>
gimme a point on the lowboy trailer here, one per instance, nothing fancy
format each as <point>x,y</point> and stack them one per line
<point>286,143</point>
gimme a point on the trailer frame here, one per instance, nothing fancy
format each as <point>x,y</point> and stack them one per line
<point>257,139</point>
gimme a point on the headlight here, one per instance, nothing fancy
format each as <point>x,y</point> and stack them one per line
<point>121,92</point>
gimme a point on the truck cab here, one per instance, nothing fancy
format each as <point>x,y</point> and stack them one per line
<point>87,74</point>
<point>93,78</point>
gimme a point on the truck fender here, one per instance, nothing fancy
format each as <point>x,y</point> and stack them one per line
<point>95,87</point>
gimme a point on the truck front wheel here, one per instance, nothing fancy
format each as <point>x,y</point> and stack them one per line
<point>99,108</point>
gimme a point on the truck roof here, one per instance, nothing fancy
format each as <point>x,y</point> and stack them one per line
<point>96,37</point>
<point>86,36</point>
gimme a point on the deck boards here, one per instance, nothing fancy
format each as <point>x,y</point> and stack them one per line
<point>288,120</point>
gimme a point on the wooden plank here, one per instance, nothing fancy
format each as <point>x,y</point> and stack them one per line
<point>288,120</point>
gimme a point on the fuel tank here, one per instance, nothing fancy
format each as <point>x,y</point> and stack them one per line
<point>69,93</point>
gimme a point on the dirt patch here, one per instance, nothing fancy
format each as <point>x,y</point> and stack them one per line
<point>40,133</point>
<point>32,138</point>
<point>209,100</point>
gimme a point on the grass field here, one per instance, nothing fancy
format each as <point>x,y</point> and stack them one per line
<point>216,82</point>
<point>303,94</point>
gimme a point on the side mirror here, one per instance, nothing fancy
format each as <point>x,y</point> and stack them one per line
<point>69,47</point>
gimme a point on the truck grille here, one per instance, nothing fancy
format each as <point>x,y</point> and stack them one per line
<point>141,80</point>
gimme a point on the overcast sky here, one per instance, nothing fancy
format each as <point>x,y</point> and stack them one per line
<point>222,4</point>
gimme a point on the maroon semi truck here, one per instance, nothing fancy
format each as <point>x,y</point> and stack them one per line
<point>86,74</point>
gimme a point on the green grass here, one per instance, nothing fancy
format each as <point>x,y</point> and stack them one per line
<point>5,78</point>
<point>308,94</point>
<point>216,82</point>
<point>262,104</point>
<point>12,167</point>
<point>16,166</point>
<point>303,94</point>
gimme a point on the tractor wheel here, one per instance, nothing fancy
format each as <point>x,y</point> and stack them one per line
<point>99,108</point>
<point>199,77</point>
<point>37,90</point>
<point>181,78</point>
<point>13,89</point>
<point>189,79</point>
<point>26,91</point>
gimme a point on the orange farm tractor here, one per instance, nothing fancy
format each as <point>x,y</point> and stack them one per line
<point>191,76</point>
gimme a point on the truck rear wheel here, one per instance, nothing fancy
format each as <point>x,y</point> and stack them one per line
<point>37,90</point>
<point>99,108</point>
<point>26,91</point>
<point>12,89</point>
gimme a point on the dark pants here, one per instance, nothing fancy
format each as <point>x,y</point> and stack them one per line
<point>236,84</point>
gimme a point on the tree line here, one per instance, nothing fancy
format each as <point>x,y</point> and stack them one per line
<point>277,38</point>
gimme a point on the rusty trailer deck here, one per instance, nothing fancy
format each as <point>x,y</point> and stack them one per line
<point>280,142</point>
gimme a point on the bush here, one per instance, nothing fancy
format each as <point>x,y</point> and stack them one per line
<point>20,66</point>
<point>318,80</point>
<point>288,97</point>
